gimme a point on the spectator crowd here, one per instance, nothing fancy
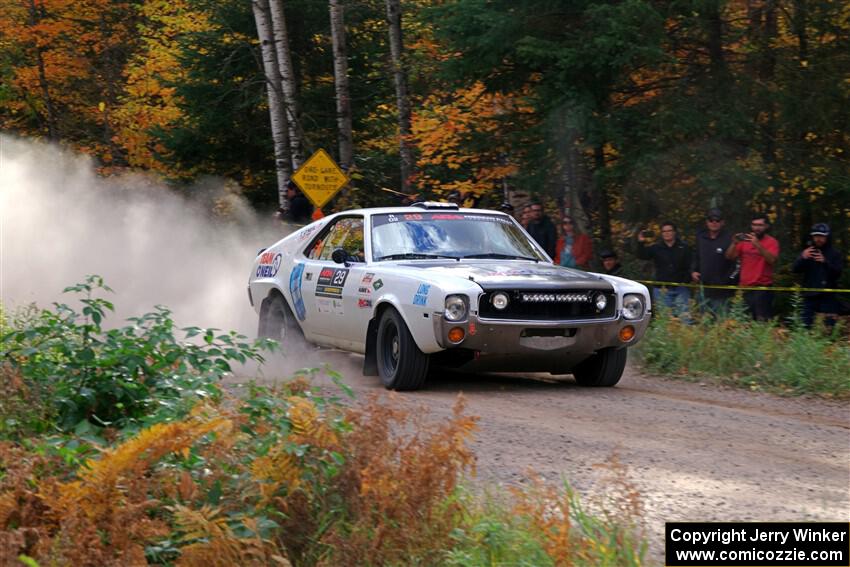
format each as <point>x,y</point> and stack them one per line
<point>685,273</point>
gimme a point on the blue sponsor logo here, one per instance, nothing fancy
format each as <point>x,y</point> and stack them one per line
<point>421,297</point>
<point>295,290</point>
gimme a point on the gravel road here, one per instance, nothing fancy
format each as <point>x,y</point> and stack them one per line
<point>697,452</point>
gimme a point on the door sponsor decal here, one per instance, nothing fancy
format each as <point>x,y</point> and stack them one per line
<point>295,290</point>
<point>330,282</point>
<point>328,305</point>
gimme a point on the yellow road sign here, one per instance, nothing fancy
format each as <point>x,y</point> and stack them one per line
<point>320,178</point>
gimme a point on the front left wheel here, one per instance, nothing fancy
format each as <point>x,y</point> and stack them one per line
<point>401,365</point>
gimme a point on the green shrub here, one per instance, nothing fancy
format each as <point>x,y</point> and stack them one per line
<point>757,355</point>
<point>123,376</point>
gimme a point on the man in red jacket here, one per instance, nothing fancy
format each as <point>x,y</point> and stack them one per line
<point>758,252</point>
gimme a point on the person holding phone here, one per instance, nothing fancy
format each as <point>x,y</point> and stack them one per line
<point>758,252</point>
<point>821,266</point>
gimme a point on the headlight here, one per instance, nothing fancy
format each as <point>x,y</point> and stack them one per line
<point>601,301</point>
<point>633,306</point>
<point>499,300</point>
<point>455,307</point>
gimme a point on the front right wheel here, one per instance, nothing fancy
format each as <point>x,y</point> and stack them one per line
<point>603,369</point>
<point>401,365</point>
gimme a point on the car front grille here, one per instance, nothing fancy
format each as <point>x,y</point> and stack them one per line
<point>548,305</point>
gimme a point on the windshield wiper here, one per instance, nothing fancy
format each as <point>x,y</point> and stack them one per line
<point>414,256</point>
<point>501,256</point>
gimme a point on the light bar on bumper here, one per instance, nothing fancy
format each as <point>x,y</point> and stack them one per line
<point>556,297</point>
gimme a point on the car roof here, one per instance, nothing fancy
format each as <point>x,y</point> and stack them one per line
<point>416,209</point>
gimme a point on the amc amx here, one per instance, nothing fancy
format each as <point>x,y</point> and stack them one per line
<point>436,284</point>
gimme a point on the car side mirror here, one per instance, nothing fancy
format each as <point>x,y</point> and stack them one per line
<point>340,256</point>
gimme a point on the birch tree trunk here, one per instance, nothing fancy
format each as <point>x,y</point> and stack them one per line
<point>287,77</point>
<point>343,99</point>
<point>277,114</point>
<point>402,98</point>
<point>50,119</point>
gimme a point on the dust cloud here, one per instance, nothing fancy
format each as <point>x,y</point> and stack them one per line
<point>61,222</point>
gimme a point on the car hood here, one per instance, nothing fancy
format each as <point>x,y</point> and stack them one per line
<point>499,274</point>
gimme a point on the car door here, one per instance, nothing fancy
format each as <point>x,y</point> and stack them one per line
<point>331,288</point>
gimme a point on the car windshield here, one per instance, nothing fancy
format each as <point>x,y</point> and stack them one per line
<point>457,235</point>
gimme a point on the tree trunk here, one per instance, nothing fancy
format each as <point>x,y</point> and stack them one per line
<point>715,42</point>
<point>573,179</point>
<point>343,99</point>
<point>287,77</point>
<point>277,113</point>
<point>603,206</point>
<point>799,133</point>
<point>50,118</point>
<point>402,97</point>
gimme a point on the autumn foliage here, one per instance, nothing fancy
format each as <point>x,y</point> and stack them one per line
<point>248,475</point>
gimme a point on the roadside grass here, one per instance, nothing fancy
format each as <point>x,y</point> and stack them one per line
<point>786,359</point>
<point>120,447</point>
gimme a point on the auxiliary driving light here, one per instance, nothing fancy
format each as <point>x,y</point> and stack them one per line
<point>456,334</point>
<point>601,301</point>
<point>499,300</point>
<point>627,333</point>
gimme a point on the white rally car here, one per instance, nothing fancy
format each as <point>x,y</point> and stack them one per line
<point>432,283</point>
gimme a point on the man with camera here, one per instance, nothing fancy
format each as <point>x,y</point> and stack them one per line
<point>758,252</point>
<point>821,266</point>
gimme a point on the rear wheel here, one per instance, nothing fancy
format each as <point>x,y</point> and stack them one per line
<point>278,323</point>
<point>401,365</point>
<point>603,369</point>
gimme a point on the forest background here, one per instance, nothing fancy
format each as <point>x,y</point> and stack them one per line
<point>625,113</point>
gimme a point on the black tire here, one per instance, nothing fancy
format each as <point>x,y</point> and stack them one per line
<point>603,369</point>
<point>401,365</point>
<point>278,323</point>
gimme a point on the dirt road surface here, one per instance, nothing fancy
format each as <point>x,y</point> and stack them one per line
<point>696,452</point>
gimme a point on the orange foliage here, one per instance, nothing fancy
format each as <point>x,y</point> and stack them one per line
<point>569,535</point>
<point>101,518</point>
<point>148,102</point>
<point>397,481</point>
<point>338,492</point>
<point>460,137</point>
<point>67,72</point>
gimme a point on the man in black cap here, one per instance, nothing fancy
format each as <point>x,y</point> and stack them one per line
<point>611,263</point>
<point>821,266</point>
<point>711,267</point>
<point>300,208</point>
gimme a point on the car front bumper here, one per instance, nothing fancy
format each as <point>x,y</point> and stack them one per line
<point>533,346</point>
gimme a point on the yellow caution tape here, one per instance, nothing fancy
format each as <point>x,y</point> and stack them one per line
<point>742,288</point>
